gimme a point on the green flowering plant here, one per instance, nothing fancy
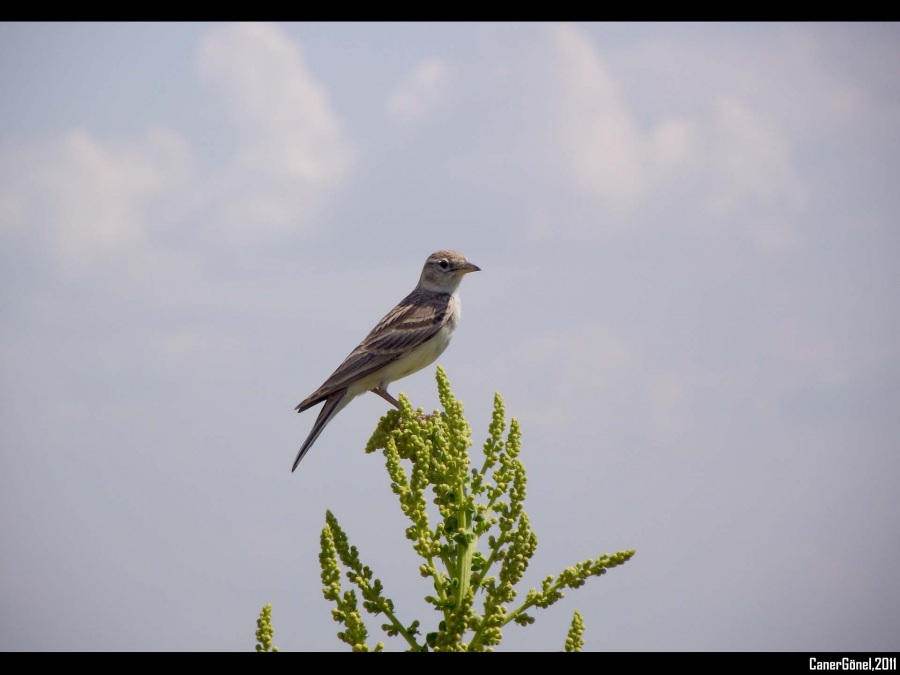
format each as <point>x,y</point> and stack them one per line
<point>427,457</point>
<point>264,631</point>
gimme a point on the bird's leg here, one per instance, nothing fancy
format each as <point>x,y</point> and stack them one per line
<point>387,397</point>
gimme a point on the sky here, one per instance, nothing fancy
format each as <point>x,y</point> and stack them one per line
<point>689,243</point>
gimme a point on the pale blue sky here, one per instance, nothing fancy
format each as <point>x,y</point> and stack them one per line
<point>689,299</point>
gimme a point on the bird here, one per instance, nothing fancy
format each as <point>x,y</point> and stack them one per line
<point>409,337</point>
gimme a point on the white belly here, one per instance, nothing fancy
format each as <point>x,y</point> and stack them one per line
<point>420,357</point>
<point>426,354</point>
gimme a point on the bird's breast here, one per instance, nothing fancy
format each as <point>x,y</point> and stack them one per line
<point>427,353</point>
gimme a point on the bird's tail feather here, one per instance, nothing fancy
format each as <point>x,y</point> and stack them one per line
<point>331,408</point>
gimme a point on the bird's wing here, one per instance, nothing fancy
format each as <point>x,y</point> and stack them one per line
<point>413,322</point>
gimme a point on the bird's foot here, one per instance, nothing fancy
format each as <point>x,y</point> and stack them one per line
<point>387,397</point>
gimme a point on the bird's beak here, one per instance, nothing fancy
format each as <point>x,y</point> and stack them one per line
<point>467,267</point>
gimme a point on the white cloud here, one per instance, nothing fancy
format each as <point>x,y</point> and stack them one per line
<point>785,73</point>
<point>421,91</point>
<point>725,154</point>
<point>600,149</point>
<point>749,160</point>
<point>87,199</point>
<point>293,152</point>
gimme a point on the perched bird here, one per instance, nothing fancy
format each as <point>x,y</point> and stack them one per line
<point>410,337</point>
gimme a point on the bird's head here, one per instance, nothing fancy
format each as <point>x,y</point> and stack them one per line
<point>444,270</point>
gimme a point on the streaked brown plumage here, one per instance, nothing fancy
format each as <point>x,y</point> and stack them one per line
<point>410,337</point>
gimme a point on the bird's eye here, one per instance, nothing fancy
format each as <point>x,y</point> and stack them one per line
<point>444,264</point>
